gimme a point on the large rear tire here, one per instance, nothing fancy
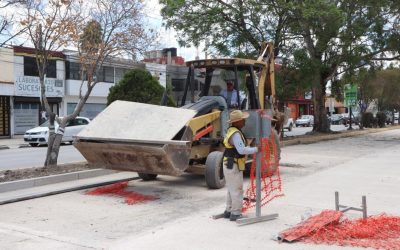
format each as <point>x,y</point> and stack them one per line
<point>147,177</point>
<point>214,171</point>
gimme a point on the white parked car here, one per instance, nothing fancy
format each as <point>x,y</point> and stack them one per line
<point>289,124</point>
<point>305,120</point>
<point>40,135</point>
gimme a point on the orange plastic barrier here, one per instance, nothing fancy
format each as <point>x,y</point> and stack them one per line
<point>271,184</point>
<point>379,232</point>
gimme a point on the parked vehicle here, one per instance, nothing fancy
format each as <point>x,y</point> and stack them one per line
<point>389,117</point>
<point>336,119</point>
<point>40,135</point>
<point>355,118</point>
<point>305,121</point>
<point>289,124</point>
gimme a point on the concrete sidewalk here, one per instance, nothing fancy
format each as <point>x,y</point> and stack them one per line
<point>16,142</point>
<point>375,175</point>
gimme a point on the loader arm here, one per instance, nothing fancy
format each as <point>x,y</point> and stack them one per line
<point>200,123</point>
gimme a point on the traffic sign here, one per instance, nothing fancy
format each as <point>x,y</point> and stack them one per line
<point>350,95</point>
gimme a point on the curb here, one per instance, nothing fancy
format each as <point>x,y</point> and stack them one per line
<point>52,179</point>
<point>16,146</point>
<point>60,190</point>
<point>334,136</point>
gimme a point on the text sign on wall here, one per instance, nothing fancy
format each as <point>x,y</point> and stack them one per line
<point>30,86</point>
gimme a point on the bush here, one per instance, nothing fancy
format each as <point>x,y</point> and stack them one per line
<point>381,119</point>
<point>138,85</point>
<point>367,119</point>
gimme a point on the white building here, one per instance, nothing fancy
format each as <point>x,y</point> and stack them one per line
<point>25,102</point>
<point>20,107</point>
<point>112,72</point>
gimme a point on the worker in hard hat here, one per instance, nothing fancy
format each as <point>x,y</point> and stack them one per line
<point>234,163</point>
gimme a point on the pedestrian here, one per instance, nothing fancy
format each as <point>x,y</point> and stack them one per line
<point>43,116</point>
<point>234,163</point>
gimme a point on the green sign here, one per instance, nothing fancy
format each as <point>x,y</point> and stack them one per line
<point>350,95</point>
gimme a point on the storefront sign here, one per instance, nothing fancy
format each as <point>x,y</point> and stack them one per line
<point>30,86</point>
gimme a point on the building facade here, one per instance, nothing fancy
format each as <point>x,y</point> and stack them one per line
<point>111,72</point>
<point>20,107</point>
<point>165,56</point>
<point>26,108</point>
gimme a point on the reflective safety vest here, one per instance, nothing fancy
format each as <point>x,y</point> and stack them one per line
<point>230,150</point>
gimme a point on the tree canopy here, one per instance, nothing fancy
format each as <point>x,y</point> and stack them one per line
<point>322,39</point>
<point>137,85</point>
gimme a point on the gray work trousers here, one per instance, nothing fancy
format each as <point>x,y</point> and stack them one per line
<point>234,183</point>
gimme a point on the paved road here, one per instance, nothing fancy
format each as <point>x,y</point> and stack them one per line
<point>180,218</point>
<point>303,130</point>
<point>32,157</point>
<point>35,157</point>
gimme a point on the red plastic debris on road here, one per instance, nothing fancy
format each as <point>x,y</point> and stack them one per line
<point>118,190</point>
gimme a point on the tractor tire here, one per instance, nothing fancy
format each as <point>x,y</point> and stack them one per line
<point>214,171</point>
<point>147,177</point>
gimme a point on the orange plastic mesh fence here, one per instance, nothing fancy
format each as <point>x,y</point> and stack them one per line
<point>271,185</point>
<point>379,231</point>
<point>118,189</point>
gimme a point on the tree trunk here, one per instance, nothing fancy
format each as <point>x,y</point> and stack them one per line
<point>53,143</point>
<point>53,150</point>
<point>321,123</point>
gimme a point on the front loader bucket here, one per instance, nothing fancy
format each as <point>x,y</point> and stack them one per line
<point>166,159</point>
<point>138,137</point>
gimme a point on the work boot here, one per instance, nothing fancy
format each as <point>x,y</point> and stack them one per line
<point>227,214</point>
<point>234,217</point>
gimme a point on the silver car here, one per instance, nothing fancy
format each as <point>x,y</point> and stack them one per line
<point>305,121</point>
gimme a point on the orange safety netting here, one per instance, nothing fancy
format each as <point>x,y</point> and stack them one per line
<point>118,190</point>
<point>271,184</point>
<point>329,227</point>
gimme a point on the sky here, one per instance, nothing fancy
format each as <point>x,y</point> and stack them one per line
<point>168,38</point>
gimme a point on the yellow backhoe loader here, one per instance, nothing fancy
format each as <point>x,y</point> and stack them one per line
<point>157,140</point>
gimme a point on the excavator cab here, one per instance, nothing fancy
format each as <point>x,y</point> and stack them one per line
<point>152,140</point>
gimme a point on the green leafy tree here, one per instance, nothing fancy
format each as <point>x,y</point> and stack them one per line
<point>232,28</point>
<point>388,83</point>
<point>323,38</point>
<point>137,85</point>
<point>374,85</point>
<point>362,78</point>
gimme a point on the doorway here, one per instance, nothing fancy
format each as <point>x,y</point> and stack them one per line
<point>4,116</point>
